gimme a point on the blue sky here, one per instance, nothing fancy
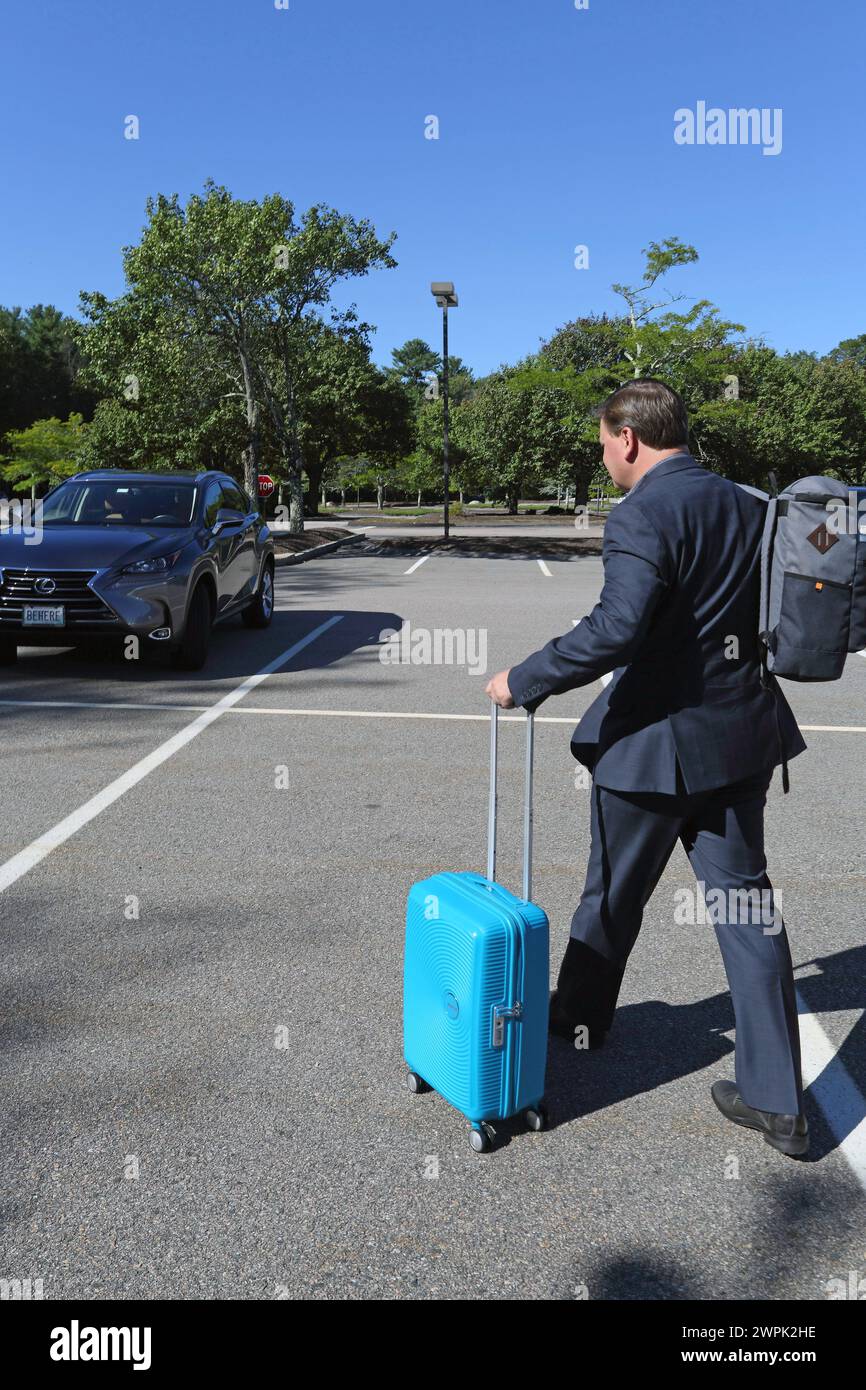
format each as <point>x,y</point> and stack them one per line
<point>556,129</point>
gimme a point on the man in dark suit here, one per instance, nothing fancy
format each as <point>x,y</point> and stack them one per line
<point>681,744</point>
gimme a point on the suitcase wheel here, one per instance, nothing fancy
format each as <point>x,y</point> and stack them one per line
<point>479,1138</point>
<point>536,1116</point>
<point>416,1084</point>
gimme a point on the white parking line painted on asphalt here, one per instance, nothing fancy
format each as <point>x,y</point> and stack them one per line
<point>544,569</point>
<point>412,568</point>
<point>351,713</point>
<point>831,1087</point>
<point>270,709</point>
<point>40,848</point>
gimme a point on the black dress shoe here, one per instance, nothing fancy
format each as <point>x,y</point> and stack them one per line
<point>787,1133</point>
<point>563,1027</point>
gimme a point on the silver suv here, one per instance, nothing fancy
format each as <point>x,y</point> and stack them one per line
<point>160,555</point>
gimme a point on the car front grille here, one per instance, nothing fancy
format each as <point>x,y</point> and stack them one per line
<point>83,607</point>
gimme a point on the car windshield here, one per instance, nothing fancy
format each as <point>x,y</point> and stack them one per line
<point>80,502</point>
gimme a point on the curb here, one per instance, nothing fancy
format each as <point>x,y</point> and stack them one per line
<point>316,550</point>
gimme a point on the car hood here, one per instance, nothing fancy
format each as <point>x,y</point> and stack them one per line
<point>88,547</point>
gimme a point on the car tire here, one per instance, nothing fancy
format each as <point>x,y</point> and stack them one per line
<point>261,610</point>
<point>8,651</point>
<point>191,654</point>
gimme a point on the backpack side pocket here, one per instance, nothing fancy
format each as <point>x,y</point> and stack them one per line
<point>810,640</point>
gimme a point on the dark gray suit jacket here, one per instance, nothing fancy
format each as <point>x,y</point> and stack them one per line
<point>677,623</point>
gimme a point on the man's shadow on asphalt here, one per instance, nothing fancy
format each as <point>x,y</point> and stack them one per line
<point>654,1043</point>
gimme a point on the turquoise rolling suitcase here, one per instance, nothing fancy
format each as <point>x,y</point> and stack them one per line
<point>476,985</point>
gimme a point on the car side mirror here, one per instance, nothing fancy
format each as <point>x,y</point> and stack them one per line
<point>226,516</point>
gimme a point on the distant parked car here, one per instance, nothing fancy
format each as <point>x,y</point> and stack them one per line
<point>161,555</point>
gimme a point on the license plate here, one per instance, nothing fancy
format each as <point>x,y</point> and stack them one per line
<point>43,615</point>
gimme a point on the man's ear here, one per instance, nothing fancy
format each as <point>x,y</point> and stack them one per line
<point>631,442</point>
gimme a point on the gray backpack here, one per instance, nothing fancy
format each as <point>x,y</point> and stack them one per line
<point>813,582</point>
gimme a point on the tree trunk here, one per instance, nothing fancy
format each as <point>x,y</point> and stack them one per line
<point>512,498</point>
<point>251,455</point>
<point>419,497</point>
<point>380,496</point>
<point>314,473</point>
<point>342,497</point>
<point>581,486</point>
<point>296,502</point>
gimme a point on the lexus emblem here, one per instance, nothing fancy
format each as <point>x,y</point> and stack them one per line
<point>45,586</point>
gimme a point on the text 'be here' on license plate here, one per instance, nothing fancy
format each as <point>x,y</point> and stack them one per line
<point>43,615</point>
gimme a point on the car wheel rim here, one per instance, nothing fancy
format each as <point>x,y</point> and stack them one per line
<point>267,594</point>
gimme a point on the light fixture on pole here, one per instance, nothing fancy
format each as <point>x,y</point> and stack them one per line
<point>444,294</point>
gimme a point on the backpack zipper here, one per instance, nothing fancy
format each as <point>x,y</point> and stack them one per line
<point>816,579</point>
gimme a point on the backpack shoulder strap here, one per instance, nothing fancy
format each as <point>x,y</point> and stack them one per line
<point>766,557</point>
<point>768,679</point>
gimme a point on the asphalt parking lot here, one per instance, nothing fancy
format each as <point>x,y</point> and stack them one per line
<point>202,889</point>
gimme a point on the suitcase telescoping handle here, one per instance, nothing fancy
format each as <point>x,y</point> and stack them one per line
<point>527,802</point>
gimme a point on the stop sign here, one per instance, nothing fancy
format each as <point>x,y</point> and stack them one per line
<point>266,485</point>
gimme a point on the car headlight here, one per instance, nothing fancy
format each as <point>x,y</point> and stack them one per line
<point>157,565</point>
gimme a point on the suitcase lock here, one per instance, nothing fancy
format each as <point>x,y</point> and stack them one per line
<point>501,1015</point>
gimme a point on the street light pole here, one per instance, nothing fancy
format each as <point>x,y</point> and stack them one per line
<point>445,415</point>
<point>443,293</point>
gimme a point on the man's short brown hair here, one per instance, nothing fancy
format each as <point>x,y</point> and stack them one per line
<point>655,413</point>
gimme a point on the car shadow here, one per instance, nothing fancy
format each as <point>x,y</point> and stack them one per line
<point>236,652</point>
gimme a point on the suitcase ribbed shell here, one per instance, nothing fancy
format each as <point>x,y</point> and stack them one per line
<point>470,946</point>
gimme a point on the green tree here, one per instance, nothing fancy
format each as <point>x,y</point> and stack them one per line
<point>662,344</point>
<point>422,471</point>
<point>346,406</point>
<point>804,416</point>
<point>419,368</point>
<point>168,399</point>
<point>39,368</point>
<point>692,350</point>
<point>851,350</point>
<point>414,364</point>
<point>243,285</point>
<point>43,454</point>
<point>514,436</point>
